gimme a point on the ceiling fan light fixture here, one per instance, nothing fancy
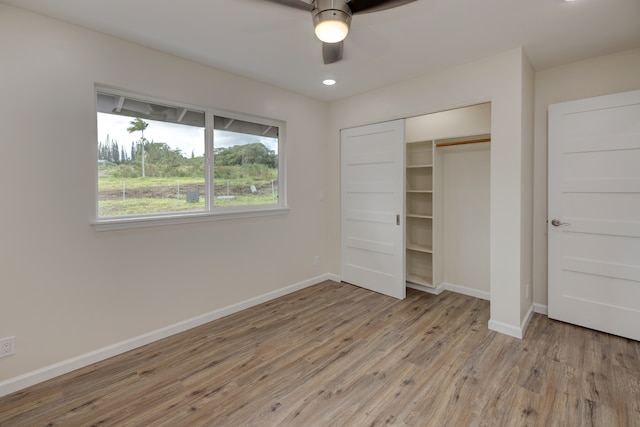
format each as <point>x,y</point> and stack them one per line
<point>331,20</point>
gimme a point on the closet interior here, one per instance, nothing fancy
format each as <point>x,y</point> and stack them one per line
<point>447,168</point>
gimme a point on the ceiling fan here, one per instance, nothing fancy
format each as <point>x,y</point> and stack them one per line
<point>332,18</point>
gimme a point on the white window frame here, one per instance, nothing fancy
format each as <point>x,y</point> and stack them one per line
<point>211,212</point>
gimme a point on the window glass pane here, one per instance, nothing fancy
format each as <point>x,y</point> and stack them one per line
<point>245,163</point>
<point>150,157</point>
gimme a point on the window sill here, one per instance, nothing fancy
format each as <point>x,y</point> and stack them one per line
<point>174,219</point>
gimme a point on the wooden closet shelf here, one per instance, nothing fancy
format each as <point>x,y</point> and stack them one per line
<point>419,248</point>
<point>419,166</point>
<point>410,215</point>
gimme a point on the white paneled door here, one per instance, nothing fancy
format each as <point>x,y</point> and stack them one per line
<point>594,213</point>
<point>372,200</point>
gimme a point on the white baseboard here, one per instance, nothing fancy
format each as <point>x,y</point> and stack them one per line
<point>34,377</point>
<point>541,308</point>
<point>514,331</point>
<point>446,286</point>
<point>527,318</point>
<point>476,293</point>
<point>333,277</point>
<point>504,328</point>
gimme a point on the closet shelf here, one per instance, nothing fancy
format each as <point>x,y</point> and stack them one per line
<point>412,215</point>
<point>420,168</point>
<point>419,248</point>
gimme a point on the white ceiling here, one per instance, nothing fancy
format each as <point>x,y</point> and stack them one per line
<point>276,44</point>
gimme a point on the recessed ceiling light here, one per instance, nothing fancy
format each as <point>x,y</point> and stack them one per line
<point>328,82</point>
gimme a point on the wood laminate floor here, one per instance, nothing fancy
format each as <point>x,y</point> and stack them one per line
<point>338,355</point>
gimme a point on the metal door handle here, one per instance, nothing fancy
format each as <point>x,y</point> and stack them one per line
<point>558,223</point>
<point>397,219</point>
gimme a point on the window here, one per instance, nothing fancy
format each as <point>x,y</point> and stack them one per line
<point>158,160</point>
<point>245,162</point>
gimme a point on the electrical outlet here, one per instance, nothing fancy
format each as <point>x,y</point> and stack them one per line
<point>316,260</point>
<point>7,346</point>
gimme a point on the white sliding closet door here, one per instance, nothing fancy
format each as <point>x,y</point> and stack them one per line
<point>594,213</point>
<point>372,200</point>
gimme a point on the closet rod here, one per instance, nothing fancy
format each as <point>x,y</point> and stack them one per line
<point>467,141</point>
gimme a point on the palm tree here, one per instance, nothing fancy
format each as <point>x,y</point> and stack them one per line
<point>139,125</point>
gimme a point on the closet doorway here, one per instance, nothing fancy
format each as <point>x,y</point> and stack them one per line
<point>415,203</point>
<point>455,214</point>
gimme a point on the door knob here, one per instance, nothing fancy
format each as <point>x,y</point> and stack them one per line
<point>558,223</point>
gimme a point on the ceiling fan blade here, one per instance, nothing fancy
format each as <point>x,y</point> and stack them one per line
<point>296,4</point>
<point>367,6</point>
<point>332,52</point>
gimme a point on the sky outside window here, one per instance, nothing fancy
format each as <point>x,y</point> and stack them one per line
<point>189,139</point>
